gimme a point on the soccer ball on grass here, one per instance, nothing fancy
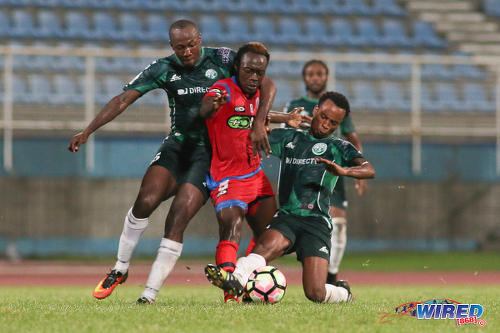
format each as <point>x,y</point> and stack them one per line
<point>266,285</point>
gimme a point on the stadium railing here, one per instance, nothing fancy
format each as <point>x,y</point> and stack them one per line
<point>417,100</point>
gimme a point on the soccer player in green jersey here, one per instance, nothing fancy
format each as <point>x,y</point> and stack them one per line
<point>311,163</point>
<point>315,76</point>
<point>180,166</point>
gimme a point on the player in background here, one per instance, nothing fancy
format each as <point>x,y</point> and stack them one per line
<point>239,187</point>
<point>182,161</point>
<point>311,163</point>
<point>315,76</point>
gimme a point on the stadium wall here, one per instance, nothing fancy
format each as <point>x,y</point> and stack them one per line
<point>52,205</point>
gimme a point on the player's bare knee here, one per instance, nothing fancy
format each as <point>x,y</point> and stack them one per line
<point>315,293</point>
<point>145,204</point>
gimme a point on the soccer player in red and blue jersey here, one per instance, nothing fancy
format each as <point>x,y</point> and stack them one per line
<point>239,187</point>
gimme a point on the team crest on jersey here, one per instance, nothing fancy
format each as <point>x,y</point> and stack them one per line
<point>319,148</point>
<point>211,74</point>
<point>240,122</point>
<point>239,109</point>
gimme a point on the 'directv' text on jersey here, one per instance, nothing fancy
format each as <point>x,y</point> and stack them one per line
<point>305,186</point>
<point>185,87</point>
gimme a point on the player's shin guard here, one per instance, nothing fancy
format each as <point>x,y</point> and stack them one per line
<point>132,231</point>
<point>339,240</point>
<point>250,247</point>
<point>335,294</point>
<point>167,256</point>
<point>246,265</point>
<point>225,255</point>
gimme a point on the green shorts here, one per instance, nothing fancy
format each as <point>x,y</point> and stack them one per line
<point>338,198</point>
<point>310,235</point>
<point>188,162</point>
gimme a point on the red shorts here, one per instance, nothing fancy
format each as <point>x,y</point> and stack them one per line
<point>241,192</point>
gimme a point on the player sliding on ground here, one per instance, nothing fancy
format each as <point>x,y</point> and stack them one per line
<point>311,163</point>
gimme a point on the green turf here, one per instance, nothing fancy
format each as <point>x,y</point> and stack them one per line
<point>200,309</point>
<point>413,261</point>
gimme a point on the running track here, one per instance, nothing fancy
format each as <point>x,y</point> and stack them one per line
<point>51,273</point>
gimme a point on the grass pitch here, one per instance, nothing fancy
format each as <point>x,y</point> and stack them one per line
<point>200,309</point>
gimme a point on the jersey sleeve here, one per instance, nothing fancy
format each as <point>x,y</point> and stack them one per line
<point>149,78</point>
<point>278,138</point>
<point>218,88</point>
<point>348,153</point>
<point>347,126</point>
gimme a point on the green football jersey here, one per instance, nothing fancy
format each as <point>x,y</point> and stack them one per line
<point>308,103</point>
<point>185,87</point>
<point>305,186</point>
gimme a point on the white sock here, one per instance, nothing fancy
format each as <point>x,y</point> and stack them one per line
<point>246,265</point>
<point>167,256</point>
<point>339,241</point>
<point>132,231</point>
<point>335,294</point>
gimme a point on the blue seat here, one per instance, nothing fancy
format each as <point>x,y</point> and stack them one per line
<point>469,72</point>
<point>23,25</point>
<point>353,70</point>
<point>369,33</point>
<point>211,29</point>
<point>388,7</point>
<point>20,90</point>
<point>425,35</point>
<point>131,27</point>
<point>394,34</point>
<point>436,71</point>
<point>316,31</point>
<point>264,30</point>
<point>475,98</point>
<point>40,87</point>
<point>237,29</point>
<point>276,6</point>
<point>492,7</point>
<point>157,27</point>
<point>77,26</point>
<point>229,5</point>
<point>50,25</point>
<point>284,93</point>
<point>66,91</point>
<point>105,27</point>
<point>354,7</point>
<point>364,96</point>
<point>342,34</point>
<point>343,89</point>
<point>305,6</point>
<point>393,97</point>
<point>428,101</point>
<point>447,99</point>
<point>290,32</point>
<point>5,27</point>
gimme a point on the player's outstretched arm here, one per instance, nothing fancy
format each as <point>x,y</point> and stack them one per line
<point>293,119</point>
<point>109,112</point>
<point>259,133</point>
<point>210,104</point>
<point>362,169</point>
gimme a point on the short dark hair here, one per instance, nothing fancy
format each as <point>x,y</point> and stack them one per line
<point>181,24</point>
<point>254,47</point>
<point>311,62</point>
<point>337,98</point>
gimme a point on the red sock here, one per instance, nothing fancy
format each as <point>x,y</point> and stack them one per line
<point>250,247</point>
<point>225,256</point>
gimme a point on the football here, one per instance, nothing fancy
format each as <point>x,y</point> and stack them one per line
<point>266,285</point>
